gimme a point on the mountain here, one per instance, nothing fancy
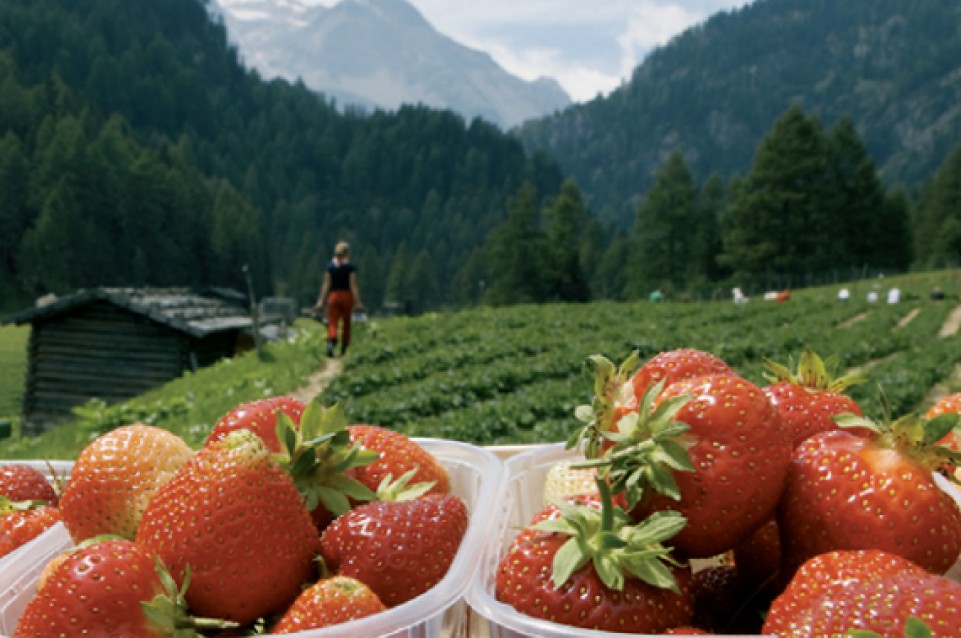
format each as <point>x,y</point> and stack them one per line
<point>381,54</point>
<point>714,91</point>
<point>137,150</point>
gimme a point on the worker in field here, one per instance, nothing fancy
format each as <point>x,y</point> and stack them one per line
<point>340,294</point>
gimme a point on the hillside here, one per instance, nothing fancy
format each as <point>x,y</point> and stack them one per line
<point>178,165</point>
<point>382,54</point>
<point>713,91</point>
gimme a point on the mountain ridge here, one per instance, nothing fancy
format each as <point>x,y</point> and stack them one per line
<point>381,55</point>
<point>715,90</point>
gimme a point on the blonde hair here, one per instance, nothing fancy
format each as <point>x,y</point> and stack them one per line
<point>341,249</point>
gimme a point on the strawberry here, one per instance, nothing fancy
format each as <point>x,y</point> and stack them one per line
<point>847,492</point>
<point>589,568</point>
<point>618,391</point>
<point>758,560</point>
<point>22,482</point>
<point>674,365</point>
<point>108,588</point>
<point>880,592</point>
<point>564,481</point>
<point>712,448</point>
<point>329,601</point>
<point>399,549</point>
<point>23,521</point>
<point>398,454</point>
<point>809,398</point>
<point>722,601</point>
<point>260,417</point>
<point>114,478</point>
<point>236,519</point>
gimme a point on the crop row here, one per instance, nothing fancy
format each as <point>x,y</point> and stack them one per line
<point>514,375</point>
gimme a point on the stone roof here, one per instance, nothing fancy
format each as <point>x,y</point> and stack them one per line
<point>183,309</point>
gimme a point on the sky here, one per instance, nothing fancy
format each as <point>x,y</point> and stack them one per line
<point>589,46</point>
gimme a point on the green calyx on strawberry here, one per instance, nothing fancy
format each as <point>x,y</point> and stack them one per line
<point>613,546</point>
<point>319,455</point>
<point>8,507</point>
<point>649,447</point>
<point>169,610</point>
<point>914,627</point>
<point>913,436</point>
<point>613,397</point>
<point>390,490</point>
<point>814,373</point>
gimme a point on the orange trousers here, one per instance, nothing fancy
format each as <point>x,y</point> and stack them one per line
<point>340,306</point>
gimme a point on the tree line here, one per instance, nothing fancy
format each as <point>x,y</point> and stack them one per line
<point>812,208</point>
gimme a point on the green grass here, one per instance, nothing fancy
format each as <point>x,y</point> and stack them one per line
<point>13,363</point>
<point>514,375</point>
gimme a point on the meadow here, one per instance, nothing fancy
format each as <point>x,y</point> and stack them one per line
<point>514,375</point>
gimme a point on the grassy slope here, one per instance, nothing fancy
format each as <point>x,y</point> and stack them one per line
<point>13,362</point>
<point>515,374</point>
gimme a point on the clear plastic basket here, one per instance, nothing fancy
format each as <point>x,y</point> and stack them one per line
<point>522,498</point>
<point>477,476</point>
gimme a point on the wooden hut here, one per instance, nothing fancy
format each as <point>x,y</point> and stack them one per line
<point>115,343</point>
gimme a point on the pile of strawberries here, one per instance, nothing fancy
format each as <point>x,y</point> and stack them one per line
<point>287,519</point>
<point>718,506</point>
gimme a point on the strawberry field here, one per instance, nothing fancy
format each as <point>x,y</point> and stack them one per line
<point>514,375</point>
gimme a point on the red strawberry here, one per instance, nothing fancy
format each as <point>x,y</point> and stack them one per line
<point>260,417</point>
<point>725,602</point>
<point>675,365</point>
<point>571,570</point>
<point>107,588</point>
<point>114,478</point>
<point>400,549</point>
<point>808,399</point>
<point>330,601</point>
<point>236,519</point>
<point>22,482</point>
<point>758,560</point>
<point>23,521</point>
<point>847,492</point>
<point>712,448</point>
<point>398,455</point>
<point>869,590</point>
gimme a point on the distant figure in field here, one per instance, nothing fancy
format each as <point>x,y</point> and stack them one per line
<point>894,295</point>
<point>937,294</point>
<point>340,294</point>
<point>738,296</point>
<point>873,296</point>
<point>844,294</point>
<point>656,296</point>
<point>782,296</point>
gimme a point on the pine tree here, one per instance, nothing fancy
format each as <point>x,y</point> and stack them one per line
<point>665,221</point>
<point>516,253</point>
<point>565,227</point>
<point>778,223</point>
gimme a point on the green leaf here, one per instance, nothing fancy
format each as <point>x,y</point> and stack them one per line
<point>571,556</point>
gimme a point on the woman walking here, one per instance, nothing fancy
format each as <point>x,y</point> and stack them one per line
<point>340,294</point>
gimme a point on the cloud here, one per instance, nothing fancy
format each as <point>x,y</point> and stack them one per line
<point>588,46</point>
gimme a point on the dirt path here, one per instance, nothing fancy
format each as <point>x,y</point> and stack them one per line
<point>948,329</point>
<point>951,324</point>
<point>319,380</point>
